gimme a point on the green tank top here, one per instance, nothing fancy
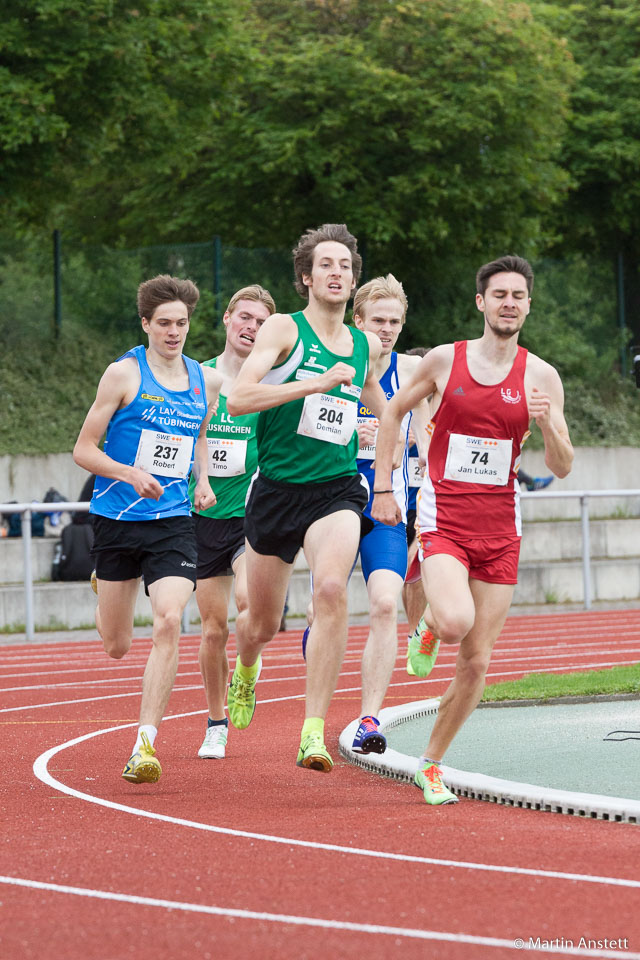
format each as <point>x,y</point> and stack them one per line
<point>314,439</point>
<point>232,451</point>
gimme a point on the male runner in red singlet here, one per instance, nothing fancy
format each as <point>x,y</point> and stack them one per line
<point>485,393</point>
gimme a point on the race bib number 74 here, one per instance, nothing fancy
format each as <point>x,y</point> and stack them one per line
<point>478,460</point>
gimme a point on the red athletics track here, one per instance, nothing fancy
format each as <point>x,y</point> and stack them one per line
<point>254,857</point>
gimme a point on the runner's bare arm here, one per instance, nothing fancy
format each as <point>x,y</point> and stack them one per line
<point>203,495</point>
<point>373,395</point>
<point>116,389</point>
<point>421,413</point>
<point>546,407</point>
<point>422,384</point>
<point>275,340</point>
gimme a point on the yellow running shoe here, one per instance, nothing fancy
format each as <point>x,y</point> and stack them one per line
<point>423,649</point>
<point>313,754</point>
<point>429,779</point>
<point>94,582</point>
<point>241,698</point>
<point>143,767</point>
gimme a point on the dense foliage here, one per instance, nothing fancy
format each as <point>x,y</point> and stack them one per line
<point>444,132</point>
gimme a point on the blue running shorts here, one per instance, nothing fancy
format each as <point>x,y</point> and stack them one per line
<point>384,548</point>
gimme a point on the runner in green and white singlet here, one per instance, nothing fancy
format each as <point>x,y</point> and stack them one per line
<point>293,438</point>
<point>305,376</point>
<point>232,455</point>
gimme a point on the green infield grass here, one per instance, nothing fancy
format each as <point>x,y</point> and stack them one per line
<point>544,686</point>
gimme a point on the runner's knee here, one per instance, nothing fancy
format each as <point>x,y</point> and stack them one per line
<point>215,633</point>
<point>383,606</point>
<point>453,626</point>
<point>329,594</point>
<point>166,625</point>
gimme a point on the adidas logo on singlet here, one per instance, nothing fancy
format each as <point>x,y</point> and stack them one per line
<point>458,392</point>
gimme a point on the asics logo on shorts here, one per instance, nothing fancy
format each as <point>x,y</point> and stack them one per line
<point>185,564</point>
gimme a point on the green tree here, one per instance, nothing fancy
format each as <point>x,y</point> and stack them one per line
<point>601,148</point>
<point>93,89</point>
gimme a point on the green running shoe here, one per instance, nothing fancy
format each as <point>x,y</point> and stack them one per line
<point>429,779</point>
<point>313,754</point>
<point>241,699</point>
<point>423,649</point>
<point>410,669</point>
<point>143,766</point>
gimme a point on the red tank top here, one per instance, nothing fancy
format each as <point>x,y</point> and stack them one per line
<point>470,487</point>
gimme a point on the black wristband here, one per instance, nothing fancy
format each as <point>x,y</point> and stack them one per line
<point>382,491</point>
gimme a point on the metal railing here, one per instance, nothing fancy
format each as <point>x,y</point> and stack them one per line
<point>27,509</point>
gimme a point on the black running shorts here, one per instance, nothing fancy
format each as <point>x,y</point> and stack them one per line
<point>279,514</point>
<point>127,549</point>
<point>220,542</point>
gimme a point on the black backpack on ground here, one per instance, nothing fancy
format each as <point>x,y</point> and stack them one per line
<point>72,558</point>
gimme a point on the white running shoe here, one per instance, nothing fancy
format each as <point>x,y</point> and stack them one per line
<point>214,743</point>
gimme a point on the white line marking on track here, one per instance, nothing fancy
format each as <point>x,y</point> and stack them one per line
<point>40,769</point>
<point>405,683</point>
<point>375,929</point>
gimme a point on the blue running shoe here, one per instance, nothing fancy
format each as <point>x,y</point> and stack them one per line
<point>305,637</point>
<point>367,738</point>
<point>539,483</point>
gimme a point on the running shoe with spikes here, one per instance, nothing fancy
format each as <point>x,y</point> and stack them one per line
<point>367,738</point>
<point>241,699</point>
<point>214,743</point>
<point>429,779</point>
<point>423,649</point>
<point>143,766</point>
<point>313,754</point>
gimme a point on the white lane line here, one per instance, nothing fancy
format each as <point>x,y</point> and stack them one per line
<point>300,921</point>
<point>41,771</point>
<point>497,660</point>
<point>412,682</point>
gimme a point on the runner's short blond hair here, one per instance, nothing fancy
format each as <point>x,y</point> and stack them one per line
<point>380,288</point>
<point>253,292</point>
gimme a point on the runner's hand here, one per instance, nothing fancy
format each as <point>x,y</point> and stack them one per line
<point>145,485</point>
<point>338,373</point>
<point>385,509</point>
<point>203,495</point>
<point>367,431</point>
<point>540,407</point>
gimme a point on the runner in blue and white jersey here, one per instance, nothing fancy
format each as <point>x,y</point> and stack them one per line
<point>154,404</point>
<point>380,307</point>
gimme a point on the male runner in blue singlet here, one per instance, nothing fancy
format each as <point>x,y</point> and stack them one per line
<point>154,404</point>
<point>380,307</point>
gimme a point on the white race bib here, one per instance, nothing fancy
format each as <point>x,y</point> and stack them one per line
<point>329,418</point>
<point>478,460</point>
<point>226,458</point>
<point>164,455</point>
<point>367,452</point>
<point>415,473</point>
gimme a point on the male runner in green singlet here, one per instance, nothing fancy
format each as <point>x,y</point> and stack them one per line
<point>232,460</point>
<point>305,375</point>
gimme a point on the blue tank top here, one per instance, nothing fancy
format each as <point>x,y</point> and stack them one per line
<point>157,432</point>
<point>366,465</point>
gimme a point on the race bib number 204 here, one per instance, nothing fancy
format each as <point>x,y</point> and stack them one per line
<point>329,418</point>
